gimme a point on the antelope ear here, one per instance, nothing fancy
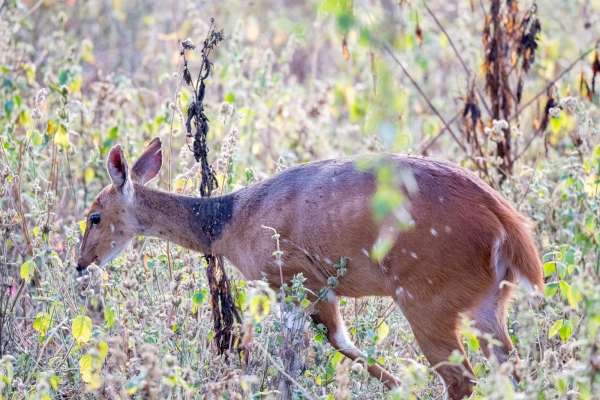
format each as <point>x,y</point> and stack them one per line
<point>117,169</point>
<point>149,163</point>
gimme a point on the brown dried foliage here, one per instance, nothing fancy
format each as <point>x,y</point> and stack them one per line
<point>510,40</point>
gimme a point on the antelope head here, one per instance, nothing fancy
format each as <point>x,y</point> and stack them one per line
<point>111,222</point>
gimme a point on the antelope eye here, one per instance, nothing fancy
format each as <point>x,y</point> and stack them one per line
<point>95,219</point>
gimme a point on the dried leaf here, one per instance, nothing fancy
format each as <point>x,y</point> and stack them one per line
<point>419,34</point>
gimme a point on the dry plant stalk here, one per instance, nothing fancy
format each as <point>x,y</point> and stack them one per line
<point>224,310</point>
<point>510,40</point>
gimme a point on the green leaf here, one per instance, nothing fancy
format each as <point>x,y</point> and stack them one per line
<point>479,370</point>
<point>305,303</point>
<point>561,384</point>
<point>551,289</point>
<point>109,316</point>
<point>549,268</point>
<point>337,357</point>
<point>564,289</point>
<point>27,270</point>
<point>9,106</point>
<point>81,329</point>
<point>198,298</point>
<point>381,248</point>
<point>566,330</point>
<point>555,328</point>
<point>230,97</point>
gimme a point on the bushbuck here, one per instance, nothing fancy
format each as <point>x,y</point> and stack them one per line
<point>459,253</point>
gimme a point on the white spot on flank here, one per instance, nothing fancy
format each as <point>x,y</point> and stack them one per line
<point>410,296</point>
<point>112,244</point>
<point>327,260</point>
<point>413,255</point>
<point>399,291</point>
<point>284,240</point>
<point>403,251</point>
<point>430,281</point>
<point>318,257</point>
<point>396,278</point>
<point>365,252</point>
<point>304,251</point>
<point>112,228</point>
<point>441,199</point>
<point>391,229</point>
<point>448,230</point>
<point>433,232</point>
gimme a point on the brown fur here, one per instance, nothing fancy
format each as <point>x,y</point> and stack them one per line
<point>464,234</point>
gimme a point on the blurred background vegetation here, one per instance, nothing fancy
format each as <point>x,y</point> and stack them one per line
<point>472,81</point>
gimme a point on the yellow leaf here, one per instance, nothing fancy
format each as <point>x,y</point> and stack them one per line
<point>574,297</point>
<point>81,329</point>
<point>82,225</point>
<point>62,136</point>
<point>87,50</point>
<point>88,369</point>
<point>75,84</point>
<point>89,175</point>
<point>42,323</point>
<point>259,307</point>
<point>103,347</point>
<point>27,270</point>
<point>383,330</point>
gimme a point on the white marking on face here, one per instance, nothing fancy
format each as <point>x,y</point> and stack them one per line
<point>112,228</point>
<point>413,255</point>
<point>433,232</point>
<point>112,245</point>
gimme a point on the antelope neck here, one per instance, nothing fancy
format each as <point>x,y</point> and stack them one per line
<point>191,222</point>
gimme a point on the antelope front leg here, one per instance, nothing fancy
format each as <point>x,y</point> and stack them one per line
<point>328,314</point>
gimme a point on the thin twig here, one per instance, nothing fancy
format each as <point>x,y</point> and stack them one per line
<point>416,85</point>
<point>534,98</point>
<point>537,158</point>
<point>467,69</point>
<point>436,137</point>
<point>282,370</point>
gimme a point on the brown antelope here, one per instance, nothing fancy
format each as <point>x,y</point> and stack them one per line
<point>463,242</point>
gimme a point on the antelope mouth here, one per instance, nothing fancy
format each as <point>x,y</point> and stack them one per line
<point>83,270</point>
